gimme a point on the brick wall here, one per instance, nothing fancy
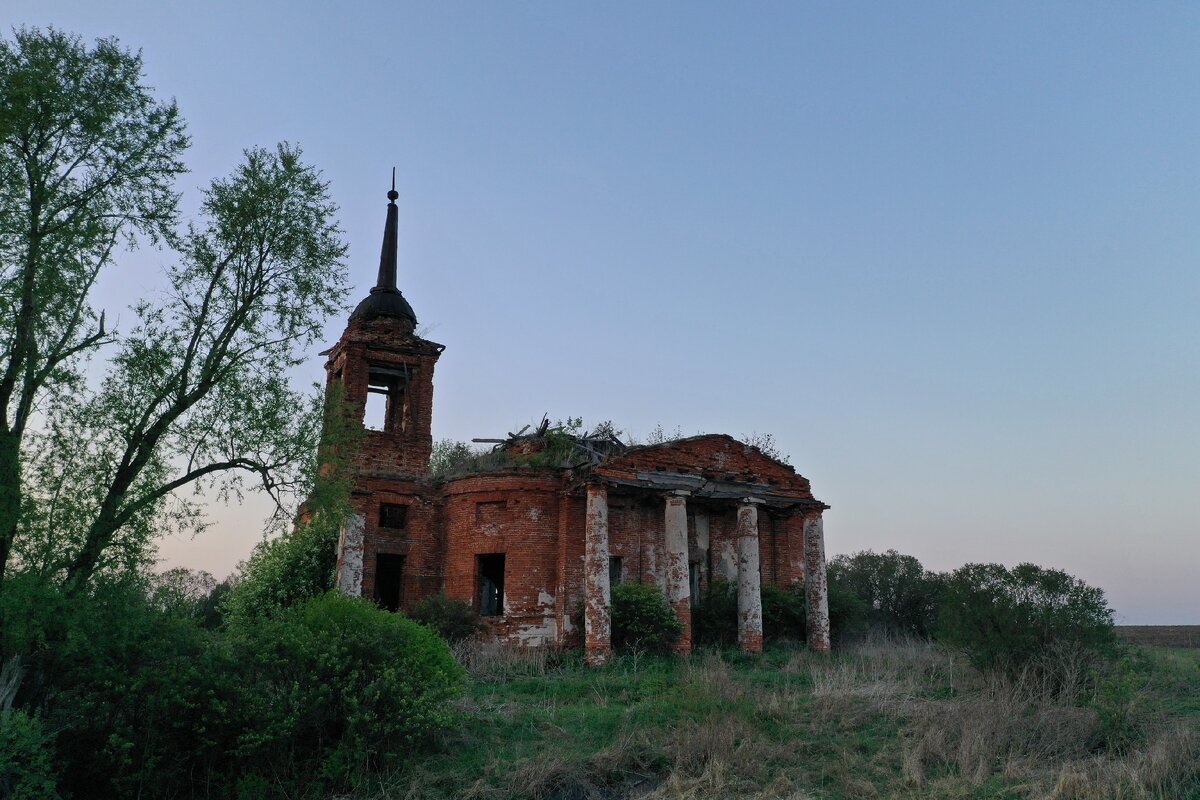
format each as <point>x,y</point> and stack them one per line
<point>515,513</point>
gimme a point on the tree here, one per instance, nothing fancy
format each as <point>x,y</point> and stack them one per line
<point>87,161</point>
<point>902,596</point>
<point>1008,619</point>
<point>199,392</point>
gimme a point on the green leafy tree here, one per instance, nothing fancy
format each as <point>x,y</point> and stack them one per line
<point>88,158</point>
<point>198,393</point>
<point>1009,619</point>
<point>902,596</point>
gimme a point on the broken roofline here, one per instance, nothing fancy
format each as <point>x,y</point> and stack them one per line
<point>703,488</point>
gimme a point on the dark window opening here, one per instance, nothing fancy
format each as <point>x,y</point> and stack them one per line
<point>694,584</point>
<point>393,515</point>
<point>614,570</point>
<point>389,578</point>
<point>491,584</point>
<point>386,399</point>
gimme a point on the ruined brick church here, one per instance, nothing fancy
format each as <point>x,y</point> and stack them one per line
<point>535,549</point>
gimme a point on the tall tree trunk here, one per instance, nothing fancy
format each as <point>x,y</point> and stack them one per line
<point>10,495</point>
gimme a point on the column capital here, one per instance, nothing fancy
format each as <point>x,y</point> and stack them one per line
<point>751,501</point>
<point>675,496</point>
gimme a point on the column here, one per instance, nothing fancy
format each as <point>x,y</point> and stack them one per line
<point>676,568</point>
<point>815,585</point>
<point>350,555</point>
<point>749,595</point>
<point>597,621</point>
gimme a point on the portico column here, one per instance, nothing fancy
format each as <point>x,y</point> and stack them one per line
<point>350,555</point>
<point>749,594</point>
<point>678,582</point>
<point>597,633</point>
<point>816,588</point>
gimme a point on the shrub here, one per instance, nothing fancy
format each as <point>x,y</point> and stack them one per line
<point>1007,619</point>
<point>139,691</point>
<point>716,619</point>
<point>783,612</point>
<point>642,619</point>
<point>454,620</point>
<point>286,570</point>
<point>849,614</point>
<point>337,686</point>
<point>901,597</point>
<point>26,762</point>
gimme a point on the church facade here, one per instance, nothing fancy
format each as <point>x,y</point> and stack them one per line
<point>535,546</point>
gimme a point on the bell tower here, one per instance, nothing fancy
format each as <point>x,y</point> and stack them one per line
<point>384,372</point>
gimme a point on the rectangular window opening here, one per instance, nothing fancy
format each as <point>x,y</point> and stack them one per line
<point>389,579</point>
<point>490,568</point>
<point>694,584</point>
<point>375,417</point>
<point>393,515</point>
<point>614,570</point>
<point>386,399</point>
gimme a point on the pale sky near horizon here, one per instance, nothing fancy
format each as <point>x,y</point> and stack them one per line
<point>946,253</point>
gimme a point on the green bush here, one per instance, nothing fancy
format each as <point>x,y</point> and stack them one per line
<point>849,614</point>
<point>642,619</point>
<point>26,758</point>
<point>715,621</point>
<point>140,692</point>
<point>453,619</point>
<point>336,686</point>
<point>900,595</point>
<point>1010,619</point>
<point>286,570</point>
<point>783,612</point>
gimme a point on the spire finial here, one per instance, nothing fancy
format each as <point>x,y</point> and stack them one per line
<point>385,300</point>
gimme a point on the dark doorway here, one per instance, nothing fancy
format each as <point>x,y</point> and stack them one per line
<point>491,584</point>
<point>389,578</point>
<point>614,570</point>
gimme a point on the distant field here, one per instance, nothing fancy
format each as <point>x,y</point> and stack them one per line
<point>1161,635</point>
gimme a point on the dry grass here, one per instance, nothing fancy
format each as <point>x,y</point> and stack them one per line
<point>491,661</point>
<point>1161,635</point>
<point>884,718</point>
<point>1001,727</point>
<point>1167,767</point>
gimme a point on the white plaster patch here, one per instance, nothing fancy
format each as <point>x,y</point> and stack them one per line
<point>534,513</point>
<point>350,555</point>
<point>702,536</point>
<point>727,566</point>
<point>538,635</point>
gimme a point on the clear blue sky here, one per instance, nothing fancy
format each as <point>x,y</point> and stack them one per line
<point>946,253</point>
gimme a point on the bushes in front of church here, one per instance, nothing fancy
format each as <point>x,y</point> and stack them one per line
<point>336,687</point>
<point>1011,620</point>
<point>123,695</point>
<point>901,596</point>
<point>784,611</point>
<point>452,619</point>
<point>642,620</point>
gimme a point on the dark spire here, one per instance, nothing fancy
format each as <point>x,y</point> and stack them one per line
<point>385,300</point>
<point>387,255</point>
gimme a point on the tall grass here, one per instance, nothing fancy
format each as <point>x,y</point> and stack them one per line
<point>880,718</point>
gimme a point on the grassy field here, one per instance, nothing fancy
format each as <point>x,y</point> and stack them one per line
<point>877,720</point>
<point>1161,635</point>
